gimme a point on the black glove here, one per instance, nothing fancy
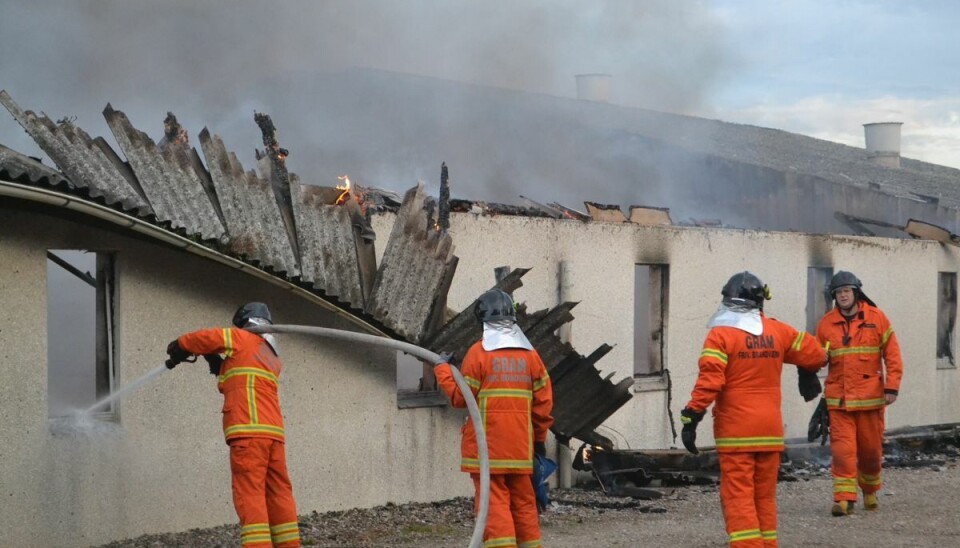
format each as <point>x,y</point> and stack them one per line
<point>176,354</point>
<point>690,419</point>
<point>809,384</point>
<point>819,426</point>
<point>214,361</point>
<point>540,448</point>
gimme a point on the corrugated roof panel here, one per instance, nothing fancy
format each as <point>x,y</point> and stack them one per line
<point>328,252</point>
<point>411,271</point>
<point>176,193</point>
<point>81,160</point>
<point>24,169</point>
<point>249,210</point>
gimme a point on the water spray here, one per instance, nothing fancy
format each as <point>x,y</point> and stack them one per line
<point>476,541</point>
<point>126,389</point>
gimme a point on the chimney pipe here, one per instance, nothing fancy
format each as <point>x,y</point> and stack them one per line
<point>883,143</point>
<point>593,87</point>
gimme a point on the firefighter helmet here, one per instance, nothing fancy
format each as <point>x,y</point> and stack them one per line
<point>495,305</point>
<point>251,310</point>
<point>745,288</point>
<point>844,279</point>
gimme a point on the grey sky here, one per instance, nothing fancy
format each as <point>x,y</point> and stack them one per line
<point>819,68</point>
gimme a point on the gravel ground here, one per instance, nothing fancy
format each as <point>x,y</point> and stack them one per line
<point>918,507</point>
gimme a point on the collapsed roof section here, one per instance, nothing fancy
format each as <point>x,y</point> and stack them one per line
<point>582,398</point>
<point>318,238</point>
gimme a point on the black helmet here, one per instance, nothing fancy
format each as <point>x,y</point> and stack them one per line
<point>495,305</point>
<point>844,279</point>
<point>744,288</point>
<point>251,310</point>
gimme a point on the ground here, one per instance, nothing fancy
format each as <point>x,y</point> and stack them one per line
<point>918,507</point>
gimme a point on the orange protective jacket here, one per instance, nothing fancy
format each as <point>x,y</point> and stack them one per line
<point>741,372</point>
<point>248,381</point>
<point>515,397</point>
<point>856,379</point>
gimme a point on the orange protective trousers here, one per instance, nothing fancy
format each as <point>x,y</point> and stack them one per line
<point>263,494</point>
<point>748,492</point>
<point>856,443</point>
<point>512,519</point>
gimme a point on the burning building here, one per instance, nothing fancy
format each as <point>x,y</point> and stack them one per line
<point>159,238</point>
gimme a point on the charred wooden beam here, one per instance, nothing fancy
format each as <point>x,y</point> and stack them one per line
<point>570,213</point>
<point>279,176</point>
<point>444,214</point>
<point>464,329</point>
<point>364,239</point>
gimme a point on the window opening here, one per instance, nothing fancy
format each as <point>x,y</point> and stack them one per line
<point>946,319</point>
<point>651,287</point>
<point>80,366</point>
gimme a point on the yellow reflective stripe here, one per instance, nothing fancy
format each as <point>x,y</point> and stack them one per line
<point>855,350</point>
<point>472,382</point>
<point>506,393</point>
<point>833,402</point>
<point>713,353</point>
<point>769,535</point>
<point>844,485</point>
<point>746,534</point>
<point>499,463</point>
<point>541,382</point>
<point>798,341</point>
<point>501,541</point>
<point>279,539</point>
<point>237,371</point>
<point>858,404</point>
<point>252,398</point>
<point>868,479</point>
<point>255,533</point>
<point>228,342</point>
<point>886,337</point>
<point>284,528</point>
<point>826,347</point>
<point>760,441</point>
<point>531,544</point>
<point>253,429</point>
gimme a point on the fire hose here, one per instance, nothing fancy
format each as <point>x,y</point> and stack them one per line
<point>476,541</point>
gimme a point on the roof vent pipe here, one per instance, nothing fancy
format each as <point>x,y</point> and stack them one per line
<point>883,143</point>
<point>593,87</point>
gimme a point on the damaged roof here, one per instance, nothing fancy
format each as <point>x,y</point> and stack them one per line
<point>318,238</point>
<point>507,143</point>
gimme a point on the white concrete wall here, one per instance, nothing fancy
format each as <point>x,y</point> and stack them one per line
<point>165,466</point>
<point>900,275</point>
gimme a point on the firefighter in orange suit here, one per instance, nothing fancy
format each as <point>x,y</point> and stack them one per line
<point>510,382</point>
<point>860,343</point>
<point>740,369</point>
<point>252,423</point>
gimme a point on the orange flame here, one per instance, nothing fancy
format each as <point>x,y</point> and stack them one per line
<point>345,195</point>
